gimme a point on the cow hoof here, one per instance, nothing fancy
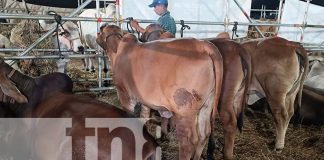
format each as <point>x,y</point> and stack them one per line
<point>278,150</point>
<point>93,70</point>
<point>87,69</point>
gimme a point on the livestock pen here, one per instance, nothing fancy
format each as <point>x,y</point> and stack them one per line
<point>257,138</point>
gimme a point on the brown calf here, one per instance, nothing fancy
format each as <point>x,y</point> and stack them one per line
<point>35,89</point>
<point>279,68</point>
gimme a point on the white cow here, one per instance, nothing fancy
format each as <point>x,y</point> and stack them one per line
<point>5,43</point>
<point>315,78</point>
<point>68,38</point>
<point>88,30</point>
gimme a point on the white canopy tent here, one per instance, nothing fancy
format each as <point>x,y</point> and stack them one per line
<point>193,10</point>
<point>294,13</point>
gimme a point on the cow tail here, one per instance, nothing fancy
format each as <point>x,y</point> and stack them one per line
<point>217,60</point>
<point>247,70</point>
<point>304,65</point>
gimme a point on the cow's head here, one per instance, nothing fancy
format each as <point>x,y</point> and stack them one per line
<point>152,32</point>
<point>155,31</point>
<point>69,37</point>
<point>107,32</point>
<point>224,35</point>
<point>7,86</point>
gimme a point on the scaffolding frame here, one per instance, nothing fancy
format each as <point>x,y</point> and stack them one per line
<point>119,21</point>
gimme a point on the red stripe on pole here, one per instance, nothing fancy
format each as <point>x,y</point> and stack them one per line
<point>245,14</point>
<point>117,2</point>
<point>99,19</point>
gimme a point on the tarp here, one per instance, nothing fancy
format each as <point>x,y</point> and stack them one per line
<point>316,2</point>
<point>63,3</point>
<point>192,10</point>
<point>293,13</point>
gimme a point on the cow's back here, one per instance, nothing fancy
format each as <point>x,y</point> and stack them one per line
<point>161,67</point>
<point>272,57</point>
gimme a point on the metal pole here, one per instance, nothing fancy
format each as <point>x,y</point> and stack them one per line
<point>94,89</point>
<point>52,57</point>
<point>45,17</point>
<point>250,20</point>
<point>279,15</point>
<point>98,31</point>
<point>21,16</point>
<point>226,20</point>
<point>40,50</point>
<point>304,22</point>
<point>118,13</point>
<point>261,16</point>
<point>49,32</point>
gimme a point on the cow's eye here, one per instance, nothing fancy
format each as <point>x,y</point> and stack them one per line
<point>66,33</point>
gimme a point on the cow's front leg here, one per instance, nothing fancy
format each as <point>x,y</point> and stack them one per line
<point>126,101</point>
<point>145,112</point>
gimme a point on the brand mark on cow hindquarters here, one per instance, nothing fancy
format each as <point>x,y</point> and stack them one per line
<point>196,95</point>
<point>182,97</point>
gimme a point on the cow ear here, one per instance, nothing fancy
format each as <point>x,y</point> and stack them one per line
<point>101,41</point>
<point>9,89</point>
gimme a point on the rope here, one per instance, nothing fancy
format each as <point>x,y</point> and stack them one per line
<point>183,27</point>
<point>130,26</point>
<point>58,20</point>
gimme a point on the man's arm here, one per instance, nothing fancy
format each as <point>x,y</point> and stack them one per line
<point>135,25</point>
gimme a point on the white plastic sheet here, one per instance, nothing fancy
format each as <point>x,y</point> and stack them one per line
<point>293,13</point>
<point>192,10</point>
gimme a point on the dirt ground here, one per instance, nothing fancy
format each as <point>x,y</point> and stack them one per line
<point>256,142</point>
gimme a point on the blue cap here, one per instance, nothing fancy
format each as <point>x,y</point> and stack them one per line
<point>156,2</point>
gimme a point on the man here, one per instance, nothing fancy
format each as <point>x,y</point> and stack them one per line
<point>166,21</point>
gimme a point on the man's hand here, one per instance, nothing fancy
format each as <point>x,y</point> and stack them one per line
<point>134,24</point>
<point>137,27</point>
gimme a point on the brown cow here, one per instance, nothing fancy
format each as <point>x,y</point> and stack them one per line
<point>224,35</point>
<point>279,69</point>
<point>153,32</point>
<point>37,139</point>
<point>66,105</point>
<point>35,89</point>
<point>59,103</point>
<point>180,77</point>
<point>236,79</point>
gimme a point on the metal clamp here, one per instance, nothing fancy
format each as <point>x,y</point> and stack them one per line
<point>234,30</point>
<point>183,27</point>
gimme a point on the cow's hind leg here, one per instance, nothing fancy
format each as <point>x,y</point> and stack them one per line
<point>204,126</point>
<point>281,117</point>
<point>186,129</point>
<point>229,111</point>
